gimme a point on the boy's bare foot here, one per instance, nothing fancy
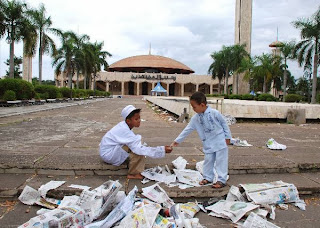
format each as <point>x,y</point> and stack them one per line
<point>204,182</point>
<point>137,176</point>
<point>218,184</point>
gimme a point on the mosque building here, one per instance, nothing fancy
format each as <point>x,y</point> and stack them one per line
<point>138,75</point>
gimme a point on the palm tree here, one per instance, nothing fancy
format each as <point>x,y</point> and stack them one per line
<point>99,60</point>
<point>238,53</point>
<point>216,68</point>
<point>264,69</point>
<point>15,24</point>
<point>247,66</point>
<point>227,64</point>
<point>287,50</point>
<point>64,56</point>
<point>46,43</point>
<point>80,54</point>
<point>308,48</point>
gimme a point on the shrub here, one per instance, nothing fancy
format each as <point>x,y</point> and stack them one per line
<point>80,93</point>
<point>48,91</point>
<point>9,95</point>
<point>66,92</point>
<point>247,97</point>
<point>293,98</point>
<point>44,96</point>
<point>23,89</point>
<point>37,96</point>
<point>234,96</point>
<point>266,97</point>
<point>318,98</point>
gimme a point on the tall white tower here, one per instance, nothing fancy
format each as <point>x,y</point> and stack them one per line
<point>243,28</point>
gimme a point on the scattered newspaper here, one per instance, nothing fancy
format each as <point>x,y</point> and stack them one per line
<point>159,174</point>
<point>230,119</point>
<point>61,218</point>
<point>141,217</point>
<point>274,145</point>
<point>187,210</point>
<point>188,176</point>
<point>271,193</point>
<point>30,196</point>
<point>99,200</point>
<point>48,186</point>
<point>180,163</point>
<point>119,212</point>
<point>239,142</point>
<point>158,195</point>
<point>255,220</point>
<point>233,210</point>
<point>234,194</point>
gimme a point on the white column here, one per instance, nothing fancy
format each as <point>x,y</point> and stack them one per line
<point>211,88</point>
<point>197,87</point>
<point>182,90</point>
<point>107,86</point>
<point>138,88</point>
<point>168,86</point>
<point>122,88</point>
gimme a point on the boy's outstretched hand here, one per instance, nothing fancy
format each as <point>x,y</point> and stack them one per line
<point>174,144</point>
<point>168,149</point>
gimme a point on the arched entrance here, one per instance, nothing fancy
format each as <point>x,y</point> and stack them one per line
<point>131,88</point>
<point>145,88</point>
<point>172,87</point>
<point>205,88</point>
<point>115,88</point>
<point>189,89</point>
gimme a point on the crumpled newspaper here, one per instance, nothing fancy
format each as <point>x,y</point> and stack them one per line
<point>273,145</point>
<point>230,119</point>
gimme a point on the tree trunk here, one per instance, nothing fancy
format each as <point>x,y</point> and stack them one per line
<point>90,81</point>
<point>85,80</point>
<point>11,62</point>
<point>314,81</point>
<point>219,86</point>
<point>40,58</point>
<point>226,82</point>
<point>77,78</point>
<point>94,83</point>
<point>285,80</point>
<point>237,84</point>
<point>264,89</point>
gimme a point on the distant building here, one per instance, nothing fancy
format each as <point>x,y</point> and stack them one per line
<point>138,75</point>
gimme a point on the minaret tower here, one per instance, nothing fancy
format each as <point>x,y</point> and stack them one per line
<point>243,27</point>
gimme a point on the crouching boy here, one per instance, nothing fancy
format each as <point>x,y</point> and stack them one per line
<point>121,142</point>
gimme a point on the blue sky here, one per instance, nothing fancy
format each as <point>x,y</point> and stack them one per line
<point>185,30</point>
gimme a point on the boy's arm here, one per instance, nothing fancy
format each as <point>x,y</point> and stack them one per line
<point>153,152</point>
<point>186,131</point>
<point>224,125</point>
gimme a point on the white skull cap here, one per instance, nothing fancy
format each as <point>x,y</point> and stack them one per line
<point>127,110</point>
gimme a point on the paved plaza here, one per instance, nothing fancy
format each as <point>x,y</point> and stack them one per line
<point>61,143</point>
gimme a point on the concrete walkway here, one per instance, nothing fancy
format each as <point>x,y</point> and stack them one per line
<point>62,144</point>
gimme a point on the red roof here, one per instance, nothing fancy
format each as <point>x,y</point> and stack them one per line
<point>140,63</point>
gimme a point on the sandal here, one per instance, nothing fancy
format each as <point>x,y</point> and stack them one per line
<point>218,184</point>
<point>204,182</point>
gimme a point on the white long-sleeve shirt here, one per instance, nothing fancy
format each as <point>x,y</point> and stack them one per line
<point>212,130</point>
<point>120,135</point>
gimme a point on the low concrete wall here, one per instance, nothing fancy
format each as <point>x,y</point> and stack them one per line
<point>239,108</point>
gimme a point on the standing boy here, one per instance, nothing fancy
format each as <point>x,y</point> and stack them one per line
<point>121,142</point>
<point>215,136</point>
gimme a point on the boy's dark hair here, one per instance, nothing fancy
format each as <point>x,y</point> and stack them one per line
<point>199,97</point>
<point>132,113</point>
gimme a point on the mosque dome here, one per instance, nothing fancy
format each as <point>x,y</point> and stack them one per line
<point>150,64</point>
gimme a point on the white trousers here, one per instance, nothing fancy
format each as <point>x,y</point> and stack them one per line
<point>221,159</point>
